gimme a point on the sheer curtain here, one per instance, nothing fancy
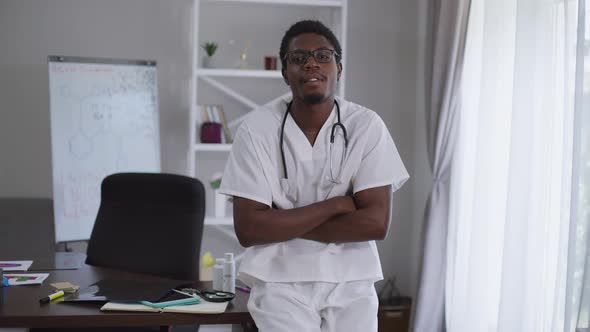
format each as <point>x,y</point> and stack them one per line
<point>511,189</point>
<point>448,29</point>
<point>577,310</point>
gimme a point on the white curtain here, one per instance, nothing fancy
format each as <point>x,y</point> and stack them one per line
<point>577,310</point>
<point>511,189</point>
<point>448,29</point>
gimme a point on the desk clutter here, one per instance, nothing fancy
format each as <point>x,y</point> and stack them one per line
<point>202,307</point>
<point>17,279</point>
<point>65,286</point>
<point>221,271</point>
<point>20,279</point>
<point>15,265</point>
<point>23,307</point>
<point>129,295</point>
<point>179,299</point>
<point>152,296</point>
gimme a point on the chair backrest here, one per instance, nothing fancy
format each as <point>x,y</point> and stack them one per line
<point>27,227</point>
<point>149,223</point>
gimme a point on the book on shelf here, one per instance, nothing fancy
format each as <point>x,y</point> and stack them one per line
<point>213,114</point>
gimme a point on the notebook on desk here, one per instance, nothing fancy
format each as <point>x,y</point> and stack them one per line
<point>126,295</point>
<point>203,307</point>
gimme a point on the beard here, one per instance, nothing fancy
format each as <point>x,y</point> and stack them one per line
<point>314,98</point>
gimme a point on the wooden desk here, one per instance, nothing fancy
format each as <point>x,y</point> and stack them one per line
<point>20,307</point>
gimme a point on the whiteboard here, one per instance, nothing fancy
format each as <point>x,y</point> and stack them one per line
<point>104,120</point>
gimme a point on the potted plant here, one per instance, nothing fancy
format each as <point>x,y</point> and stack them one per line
<point>210,48</point>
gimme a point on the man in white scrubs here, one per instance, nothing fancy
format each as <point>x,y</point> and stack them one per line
<point>308,207</point>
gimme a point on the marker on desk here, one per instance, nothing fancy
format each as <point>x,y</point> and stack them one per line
<point>52,297</point>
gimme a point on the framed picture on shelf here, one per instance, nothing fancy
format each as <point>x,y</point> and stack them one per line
<point>211,125</point>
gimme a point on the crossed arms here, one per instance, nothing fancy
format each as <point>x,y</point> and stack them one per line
<point>363,217</point>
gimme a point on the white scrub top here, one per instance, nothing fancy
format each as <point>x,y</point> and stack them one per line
<point>255,171</point>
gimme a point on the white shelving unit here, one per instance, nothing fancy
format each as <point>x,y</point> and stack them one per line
<point>213,77</point>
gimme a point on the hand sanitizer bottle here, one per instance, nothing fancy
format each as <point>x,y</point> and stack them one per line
<point>229,273</point>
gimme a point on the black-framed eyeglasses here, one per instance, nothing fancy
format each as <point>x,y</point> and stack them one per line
<point>321,55</point>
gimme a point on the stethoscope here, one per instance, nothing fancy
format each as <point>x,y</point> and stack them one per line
<point>333,179</point>
<point>207,295</point>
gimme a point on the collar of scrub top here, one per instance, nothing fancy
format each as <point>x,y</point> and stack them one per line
<point>332,135</point>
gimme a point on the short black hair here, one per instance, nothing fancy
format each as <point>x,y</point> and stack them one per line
<point>308,26</point>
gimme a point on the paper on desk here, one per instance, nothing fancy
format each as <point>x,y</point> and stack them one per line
<point>17,279</point>
<point>65,286</point>
<point>15,265</point>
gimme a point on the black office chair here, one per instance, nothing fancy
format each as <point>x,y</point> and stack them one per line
<point>149,223</point>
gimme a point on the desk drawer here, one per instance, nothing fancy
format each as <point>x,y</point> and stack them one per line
<point>394,320</point>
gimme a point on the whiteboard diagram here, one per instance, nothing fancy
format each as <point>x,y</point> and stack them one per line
<point>104,120</point>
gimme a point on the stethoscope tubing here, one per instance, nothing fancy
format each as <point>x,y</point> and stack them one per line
<point>332,134</point>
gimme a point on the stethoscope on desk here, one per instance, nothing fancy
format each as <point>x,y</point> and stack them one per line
<point>333,179</point>
<point>207,295</point>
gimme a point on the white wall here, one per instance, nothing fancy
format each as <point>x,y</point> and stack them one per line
<point>385,38</point>
<point>423,175</point>
<point>31,30</point>
<point>382,65</point>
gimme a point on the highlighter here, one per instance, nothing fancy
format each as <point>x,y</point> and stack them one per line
<point>52,297</point>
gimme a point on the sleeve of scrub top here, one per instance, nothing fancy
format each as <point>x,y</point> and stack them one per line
<point>243,175</point>
<point>381,164</point>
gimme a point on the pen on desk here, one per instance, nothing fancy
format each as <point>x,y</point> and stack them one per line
<point>51,297</point>
<point>243,289</point>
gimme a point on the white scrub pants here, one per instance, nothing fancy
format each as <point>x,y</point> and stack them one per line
<point>314,306</point>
